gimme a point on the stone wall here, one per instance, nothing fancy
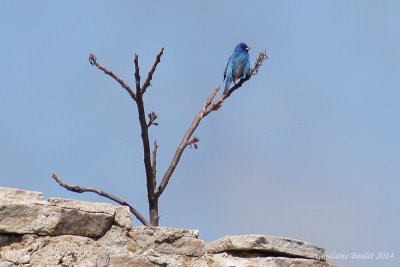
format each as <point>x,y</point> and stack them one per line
<point>60,232</point>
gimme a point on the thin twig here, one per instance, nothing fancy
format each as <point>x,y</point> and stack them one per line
<point>151,72</point>
<point>208,107</point>
<point>184,143</point>
<point>93,61</point>
<point>137,74</point>
<point>193,142</point>
<point>80,189</point>
<point>154,163</point>
<point>152,118</point>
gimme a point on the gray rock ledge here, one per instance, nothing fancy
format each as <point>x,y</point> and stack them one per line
<point>267,246</point>
<point>62,232</point>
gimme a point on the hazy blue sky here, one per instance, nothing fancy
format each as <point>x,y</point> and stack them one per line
<point>308,149</point>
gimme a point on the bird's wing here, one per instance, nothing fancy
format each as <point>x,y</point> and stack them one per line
<point>246,70</point>
<point>227,64</point>
<point>239,65</point>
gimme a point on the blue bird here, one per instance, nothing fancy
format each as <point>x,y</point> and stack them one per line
<point>238,65</point>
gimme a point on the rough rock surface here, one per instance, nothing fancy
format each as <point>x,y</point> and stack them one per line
<point>226,260</point>
<point>25,213</point>
<point>266,245</point>
<point>60,232</point>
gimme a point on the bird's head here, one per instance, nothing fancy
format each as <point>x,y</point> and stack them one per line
<point>242,46</point>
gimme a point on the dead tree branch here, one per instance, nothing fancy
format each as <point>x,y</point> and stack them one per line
<point>150,170</point>
<point>150,156</point>
<point>137,74</point>
<point>208,107</point>
<point>93,61</point>
<point>154,163</point>
<point>81,189</point>
<point>144,127</point>
<point>151,72</point>
<point>150,165</point>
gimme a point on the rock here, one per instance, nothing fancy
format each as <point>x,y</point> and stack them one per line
<point>10,195</point>
<point>168,240</point>
<point>122,216</point>
<point>142,237</point>
<point>116,241</point>
<point>121,213</point>
<point>131,261</point>
<point>68,250</point>
<point>7,239</point>
<point>267,246</point>
<point>226,260</point>
<point>4,263</point>
<point>178,241</point>
<point>21,256</point>
<point>25,217</point>
<point>25,212</point>
<point>61,232</point>
<point>17,252</point>
<point>181,246</point>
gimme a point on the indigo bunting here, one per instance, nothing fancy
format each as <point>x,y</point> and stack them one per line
<point>238,65</point>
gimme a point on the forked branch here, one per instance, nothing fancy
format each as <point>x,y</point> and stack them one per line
<point>81,189</point>
<point>93,61</point>
<point>150,156</point>
<point>208,107</point>
<point>144,128</point>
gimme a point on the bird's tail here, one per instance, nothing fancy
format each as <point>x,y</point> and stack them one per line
<point>227,84</point>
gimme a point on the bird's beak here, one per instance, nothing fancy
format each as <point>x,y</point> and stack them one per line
<point>248,48</point>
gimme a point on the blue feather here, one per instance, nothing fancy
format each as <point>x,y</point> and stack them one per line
<point>238,65</point>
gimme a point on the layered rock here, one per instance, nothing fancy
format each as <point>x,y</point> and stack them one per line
<point>59,232</point>
<point>30,214</point>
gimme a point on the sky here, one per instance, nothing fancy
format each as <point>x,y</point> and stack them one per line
<point>307,149</point>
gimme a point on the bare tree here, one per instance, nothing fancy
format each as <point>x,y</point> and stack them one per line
<point>154,191</point>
